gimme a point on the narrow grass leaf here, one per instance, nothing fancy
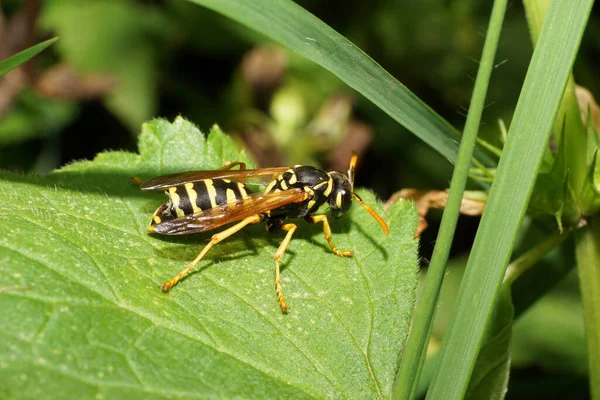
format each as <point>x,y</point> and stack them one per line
<point>408,375</point>
<point>533,120</point>
<point>490,376</point>
<point>22,57</point>
<point>289,24</point>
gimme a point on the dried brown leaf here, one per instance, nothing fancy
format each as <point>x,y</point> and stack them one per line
<point>427,199</point>
<point>588,104</point>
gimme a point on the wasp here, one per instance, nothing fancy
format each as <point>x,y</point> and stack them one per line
<point>200,201</point>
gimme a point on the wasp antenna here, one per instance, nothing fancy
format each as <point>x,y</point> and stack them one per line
<point>353,160</point>
<point>373,213</point>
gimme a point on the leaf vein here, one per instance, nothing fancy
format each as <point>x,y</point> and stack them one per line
<point>359,265</point>
<point>310,359</point>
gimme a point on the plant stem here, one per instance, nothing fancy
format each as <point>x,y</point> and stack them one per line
<point>529,259</point>
<point>587,252</point>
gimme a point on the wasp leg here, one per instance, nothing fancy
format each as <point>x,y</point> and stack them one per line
<point>233,165</point>
<point>290,229</point>
<point>135,179</point>
<point>253,219</point>
<point>327,233</point>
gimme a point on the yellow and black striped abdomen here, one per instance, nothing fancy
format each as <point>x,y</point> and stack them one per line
<point>191,198</point>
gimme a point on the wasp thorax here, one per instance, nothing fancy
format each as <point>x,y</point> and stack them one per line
<point>340,199</point>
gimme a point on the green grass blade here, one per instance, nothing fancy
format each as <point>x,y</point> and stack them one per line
<point>408,375</point>
<point>534,117</point>
<point>569,116</point>
<point>587,250</point>
<point>21,57</point>
<point>292,26</point>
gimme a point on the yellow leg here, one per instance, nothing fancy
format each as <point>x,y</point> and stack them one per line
<point>327,233</point>
<point>137,180</point>
<point>290,228</point>
<point>214,240</point>
<point>232,165</point>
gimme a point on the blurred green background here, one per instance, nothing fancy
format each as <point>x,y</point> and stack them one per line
<point>119,63</point>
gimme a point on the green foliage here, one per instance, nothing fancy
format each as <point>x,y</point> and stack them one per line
<point>298,30</point>
<point>31,117</point>
<point>34,117</point>
<point>83,315</point>
<point>561,313</point>
<point>556,193</point>
<point>408,375</point>
<point>492,368</point>
<point>127,50</point>
<point>590,192</point>
<point>21,57</point>
<point>579,202</point>
<point>514,180</point>
<point>587,251</point>
<point>490,376</point>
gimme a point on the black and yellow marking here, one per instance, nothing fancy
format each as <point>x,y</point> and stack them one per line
<point>291,178</point>
<point>329,187</point>
<point>179,204</point>
<point>317,183</point>
<point>194,197</point>
<point>211,193</point>
<point>156,217</point>
<point>203,200</point>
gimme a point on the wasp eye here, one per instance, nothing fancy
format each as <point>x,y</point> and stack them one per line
<point>340,198</point>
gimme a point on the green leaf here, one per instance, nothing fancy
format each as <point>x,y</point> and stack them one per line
<point>126,51</point>
<point>593,141</point>
<point>287,23</point>
<point>568,128</point>
<point>83,315</point>
<point>490,375</point>
<point>553,194</point>
<point>569,210</point>
<point>22,57</point>
<point>446,299</point>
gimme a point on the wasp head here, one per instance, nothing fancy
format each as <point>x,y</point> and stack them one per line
<point>340,198</point>
<point>342,194</point>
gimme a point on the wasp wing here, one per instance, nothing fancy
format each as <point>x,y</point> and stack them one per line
<point>212,218</point>
<point>166,181</point>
